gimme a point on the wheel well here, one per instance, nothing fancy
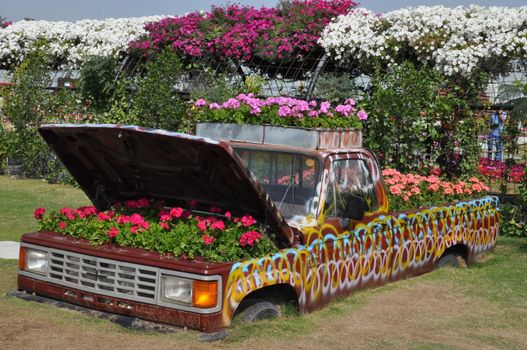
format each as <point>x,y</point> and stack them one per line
<point>458,249</point>
<point>278,294</point>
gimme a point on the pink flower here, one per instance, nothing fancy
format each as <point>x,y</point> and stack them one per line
<point>164,226</point>
<point>200,103</point>
<point>39,213</point>
<point>62,225</point>
<point>248,220</point>
<point>113,232</point>
<point>228,214</point>
<point>208,239</point>
<point>324,107</point>
<point>134,229</point>
<point>362,115</point>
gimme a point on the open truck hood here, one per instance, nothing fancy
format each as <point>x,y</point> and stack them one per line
<point>114,163</point>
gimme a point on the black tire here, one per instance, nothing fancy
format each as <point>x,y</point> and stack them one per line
<point>257,310</point>
<point>450,260</point>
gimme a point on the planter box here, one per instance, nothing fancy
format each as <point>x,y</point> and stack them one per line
<point>283,136</point>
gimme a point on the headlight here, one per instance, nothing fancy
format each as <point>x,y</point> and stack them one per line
<point>36,261</point>
<point>189,292</point>
<point>176,289</point>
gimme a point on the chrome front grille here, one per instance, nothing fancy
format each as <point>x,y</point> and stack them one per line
<point>112,278</point>
<point>103,276</point>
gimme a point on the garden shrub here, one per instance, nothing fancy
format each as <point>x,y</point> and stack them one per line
<point>156,102</point>
<point>97,80</point>
<point>26,104</point>
<point>335,88</point>
<point>514,214</point>
<point>419,123</point>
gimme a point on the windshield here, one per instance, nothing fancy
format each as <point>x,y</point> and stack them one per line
<point>290,179</point>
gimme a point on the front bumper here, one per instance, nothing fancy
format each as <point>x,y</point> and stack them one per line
<point>204,323</point>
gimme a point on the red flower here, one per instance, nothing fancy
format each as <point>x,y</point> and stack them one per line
<point>143,203</point>
<point>176,212</point>
<point>218,225</point>
<point>39,213</point>
<point>166,217</point>
<point>208,239</point>
<point>113,232</point>
<point>89,211</point>
<point>134,229</point>
<point>137,219</point>
<point>103,216</point>
<point>228,214</point>
<point>67,212</point>
<point>202,225</point>
<point>62,225</point>
<point>164,226</point>
<point>247,221</point>
<point>249,238</point>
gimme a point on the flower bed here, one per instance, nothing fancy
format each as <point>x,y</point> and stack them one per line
<point>410,191</point>
<point>289,31</point>
<point>218,237</point>
<point>453,40</point>
<point>497,170</point>
<point>281,111</point>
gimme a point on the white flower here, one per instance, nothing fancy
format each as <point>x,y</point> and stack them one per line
<point>71,42</point>
<point>453,40</point>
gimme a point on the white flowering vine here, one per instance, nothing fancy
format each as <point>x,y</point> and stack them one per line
<point>70,43</point>
<point>453,40</point>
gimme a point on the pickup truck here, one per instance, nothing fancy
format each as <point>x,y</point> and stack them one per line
<point>318,194</point>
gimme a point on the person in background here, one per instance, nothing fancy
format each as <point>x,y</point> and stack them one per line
<point>497,122</point>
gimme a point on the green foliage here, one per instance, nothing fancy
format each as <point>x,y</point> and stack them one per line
<point>216,89</point>
<point>336,88</point>
<point>514,215</point>
<point>418,122</point>
<point>26,103</point>
<point>97,81</point>
<point>121,111</point>
<point>156,102</point>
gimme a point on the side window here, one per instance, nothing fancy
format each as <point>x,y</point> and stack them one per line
<point>349,177</point>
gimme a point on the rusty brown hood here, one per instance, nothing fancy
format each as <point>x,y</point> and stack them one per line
<point>114,163</point>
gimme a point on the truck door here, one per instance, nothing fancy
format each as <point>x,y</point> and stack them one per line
<point>363,243</point>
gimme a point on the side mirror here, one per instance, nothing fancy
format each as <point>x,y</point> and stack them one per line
<point>355,207</point>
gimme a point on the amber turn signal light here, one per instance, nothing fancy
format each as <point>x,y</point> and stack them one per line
<point>205,294</point>
<point>22,259</point>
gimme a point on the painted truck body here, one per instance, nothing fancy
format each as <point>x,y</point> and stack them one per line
<point>323,254</point>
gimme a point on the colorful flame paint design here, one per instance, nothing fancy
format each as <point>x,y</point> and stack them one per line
<point>385,249</point>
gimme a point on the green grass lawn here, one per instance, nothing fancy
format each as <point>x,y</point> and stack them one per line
<point>19,198</point>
